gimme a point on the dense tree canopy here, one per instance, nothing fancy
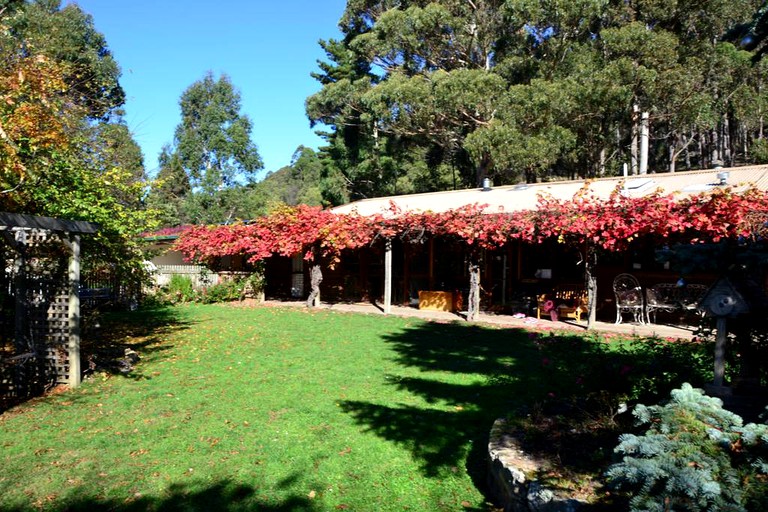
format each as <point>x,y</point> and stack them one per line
<point>303,181</point>
<point>213,139</point>
<point>433,95</point>
<point>205,173</point>
<point>67,35</point>
<point>65,150</point>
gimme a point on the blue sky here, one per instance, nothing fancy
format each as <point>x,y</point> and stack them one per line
<point>267,47</point>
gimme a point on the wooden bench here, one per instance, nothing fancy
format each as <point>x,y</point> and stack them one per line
<point>570,301</point>
<point>436,301</point>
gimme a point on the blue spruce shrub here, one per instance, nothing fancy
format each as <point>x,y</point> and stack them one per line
<point>694,456</point>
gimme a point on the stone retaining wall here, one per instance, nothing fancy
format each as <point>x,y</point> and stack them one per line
<point>511,477</point>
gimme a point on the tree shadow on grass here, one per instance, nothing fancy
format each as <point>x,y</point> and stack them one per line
<point>516,373</point>
<point>224,496</point>
<point>109,341</point>
<point>104,342</point>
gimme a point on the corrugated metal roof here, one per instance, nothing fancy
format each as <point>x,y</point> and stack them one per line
<point>511,198</point>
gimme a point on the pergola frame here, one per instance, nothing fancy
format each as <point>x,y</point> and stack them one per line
<point>15,228</point>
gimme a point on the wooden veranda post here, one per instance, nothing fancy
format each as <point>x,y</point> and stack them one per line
<point>387,276</point>
<point>74,311</point>
<point>590,271</point>
<point>473,301</point>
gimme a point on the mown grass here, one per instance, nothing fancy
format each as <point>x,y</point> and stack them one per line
<point>287,409</point>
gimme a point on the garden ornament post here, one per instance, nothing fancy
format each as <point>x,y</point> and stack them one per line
<point>722,301</point>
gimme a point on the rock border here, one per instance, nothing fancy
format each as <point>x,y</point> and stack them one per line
<point>509,481</point>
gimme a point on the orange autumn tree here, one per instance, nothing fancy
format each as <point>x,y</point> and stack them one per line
<point>36,121</point>
<point>65,150</point>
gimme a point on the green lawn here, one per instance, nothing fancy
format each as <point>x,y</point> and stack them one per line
<point>286,409</point>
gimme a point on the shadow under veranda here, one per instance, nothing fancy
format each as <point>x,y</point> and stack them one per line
<point>516,374</point>
<point>109,339</point>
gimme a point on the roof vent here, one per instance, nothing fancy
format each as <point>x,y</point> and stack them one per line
<point>697,188</point>
<point>723,177</point>
<point>486,184</point>
<point>639,184</point>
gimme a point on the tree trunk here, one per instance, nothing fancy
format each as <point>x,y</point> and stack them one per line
<point>675,149</point>
<point>714,146</point>
<point>601,170</point>
<point>722,337</point>
<point>673,153</point>
<point>727,150</point>
<point>633,148</point>
<point>590,278</point>
<point>73,312</point>
<point>315,278</point>
<point>473,301</point>
<point>644,140</point>
<point>744,136</point>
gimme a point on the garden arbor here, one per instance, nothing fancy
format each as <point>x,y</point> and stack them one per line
<point>40,302</point>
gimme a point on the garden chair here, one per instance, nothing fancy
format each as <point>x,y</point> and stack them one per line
<point>629,298</point>
<point>661,297</point>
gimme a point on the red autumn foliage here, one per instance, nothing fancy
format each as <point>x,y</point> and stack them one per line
<point>611,224</point>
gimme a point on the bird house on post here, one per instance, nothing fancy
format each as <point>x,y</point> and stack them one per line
<point>722,301</point>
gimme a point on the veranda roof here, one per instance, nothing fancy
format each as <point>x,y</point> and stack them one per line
<point>509,198</point>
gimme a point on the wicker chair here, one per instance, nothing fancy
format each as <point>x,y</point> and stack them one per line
<point>629,298</point>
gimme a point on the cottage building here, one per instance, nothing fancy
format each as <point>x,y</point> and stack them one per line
<point>511,277</point>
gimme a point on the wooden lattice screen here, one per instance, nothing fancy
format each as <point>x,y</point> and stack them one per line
<point>39,305</point>
<point>38,338</point>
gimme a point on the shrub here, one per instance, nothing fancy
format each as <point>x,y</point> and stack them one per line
<point>180,289</point>
<point>256,282</point>
<point>231,289</point>
<point>759,150</point>
<point>694,456</point>
<point>627,370</point>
